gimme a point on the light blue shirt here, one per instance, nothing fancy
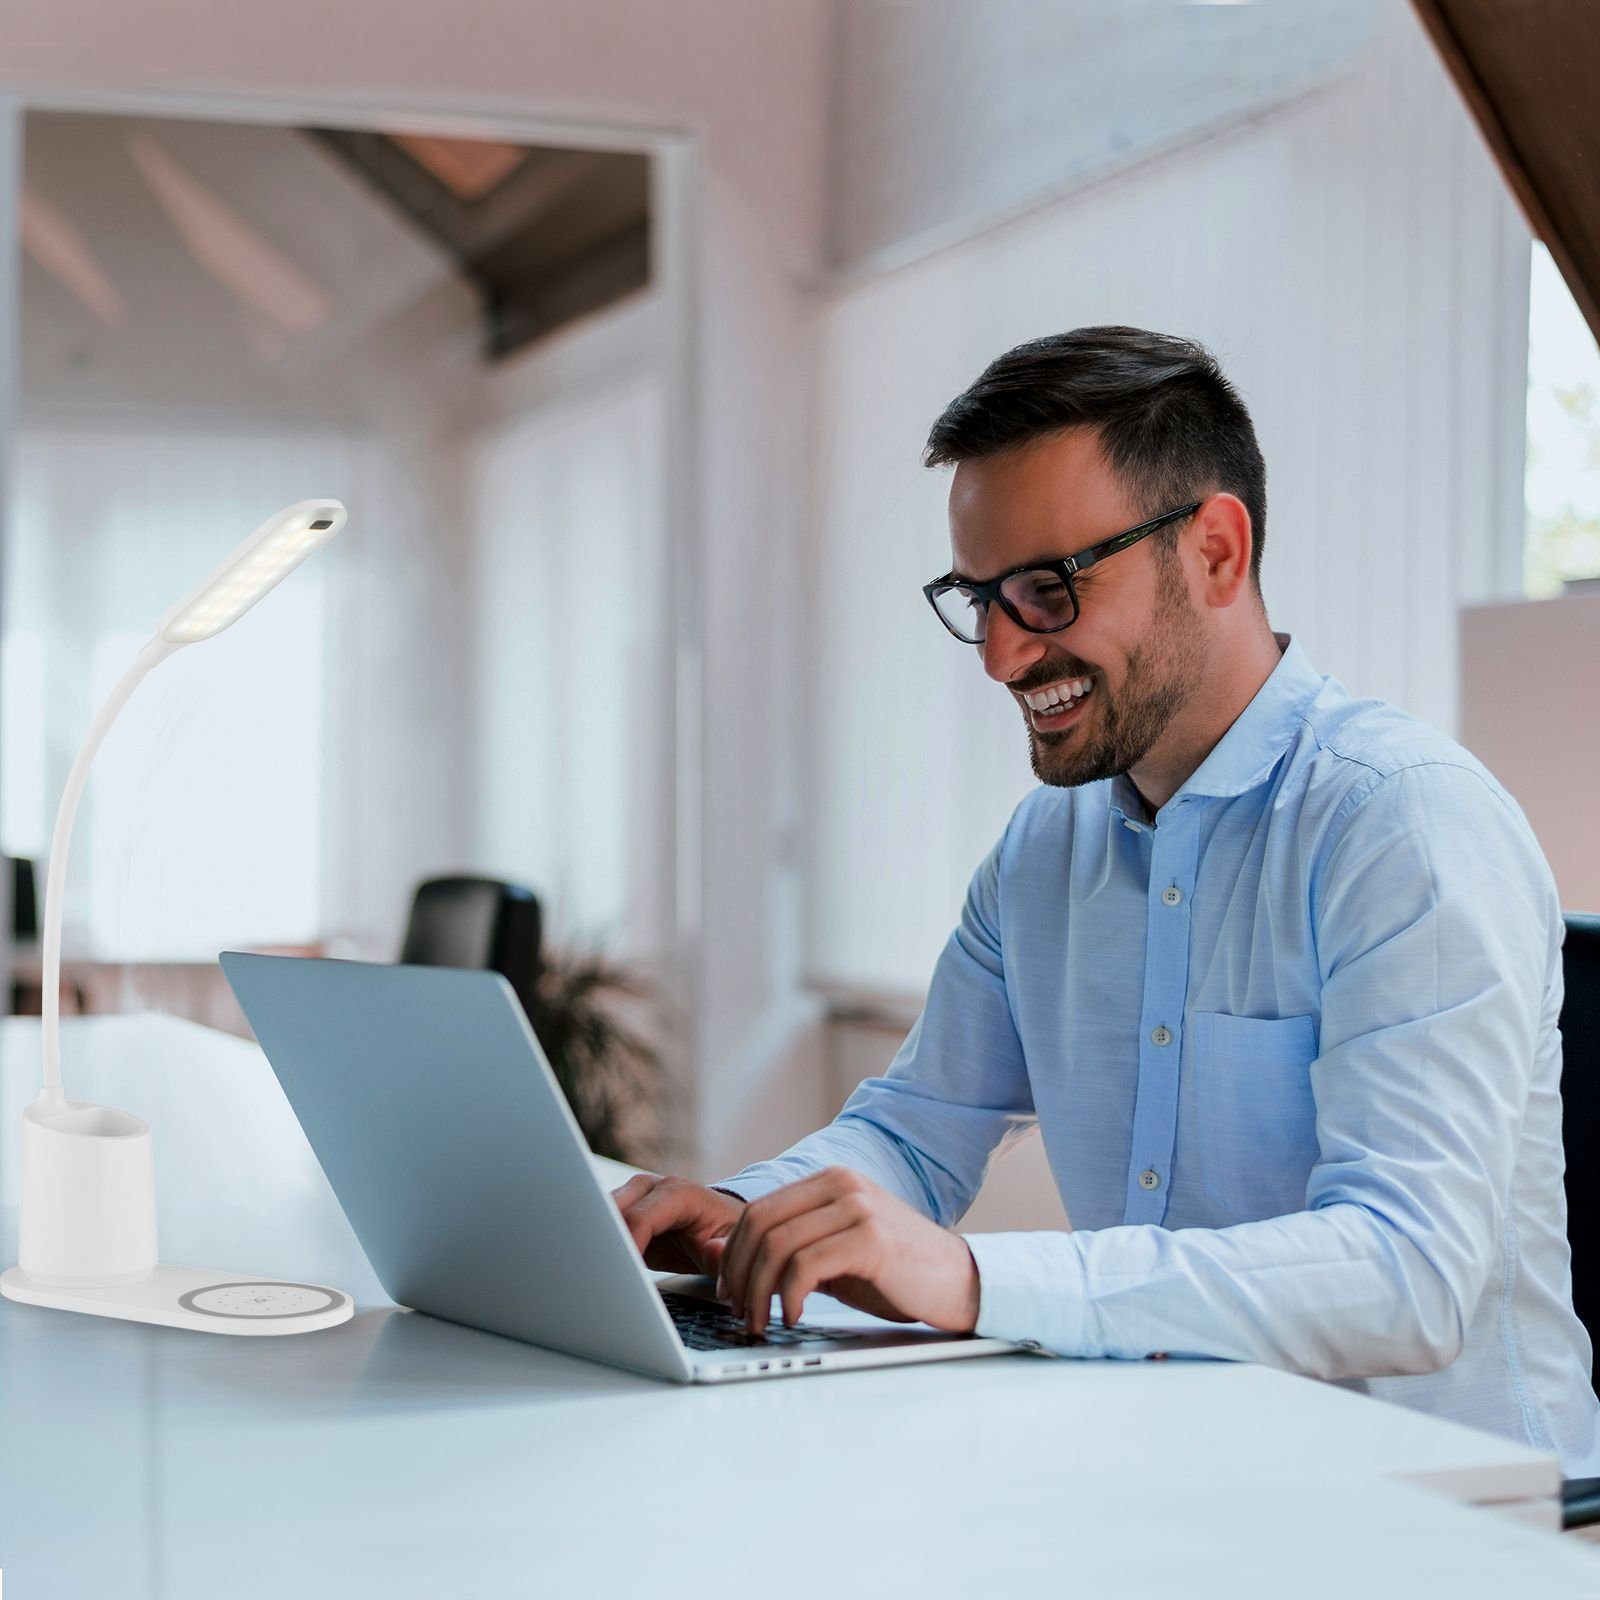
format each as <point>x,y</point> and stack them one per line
<point>1292,1050</point>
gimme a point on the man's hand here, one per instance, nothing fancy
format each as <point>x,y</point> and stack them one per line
<point>677,1225</point>
<point>842,1234</point>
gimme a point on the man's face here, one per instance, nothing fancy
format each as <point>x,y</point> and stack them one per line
<point>1138,642</point>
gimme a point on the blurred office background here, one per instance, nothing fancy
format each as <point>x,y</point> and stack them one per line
<point>618,327</point>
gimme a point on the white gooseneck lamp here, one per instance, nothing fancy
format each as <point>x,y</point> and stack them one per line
<point>87,1227</point>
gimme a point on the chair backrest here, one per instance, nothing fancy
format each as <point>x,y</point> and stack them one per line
<point>1580,1112</point>
<point>24,901</point>
<point>481,923</point>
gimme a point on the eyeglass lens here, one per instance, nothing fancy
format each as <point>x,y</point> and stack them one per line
<point>1042,599</point>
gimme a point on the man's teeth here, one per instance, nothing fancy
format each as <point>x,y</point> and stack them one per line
<point>1059,694</point>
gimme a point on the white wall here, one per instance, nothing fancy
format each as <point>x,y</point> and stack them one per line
<point>1358,267</point>
<point>571,758</point>
<point>948,114</point>
<point>397,747</point>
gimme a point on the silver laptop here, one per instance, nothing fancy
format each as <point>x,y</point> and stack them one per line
<point>441,1128</point>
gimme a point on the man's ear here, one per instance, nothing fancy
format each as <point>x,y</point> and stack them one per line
<point>1220,542</point>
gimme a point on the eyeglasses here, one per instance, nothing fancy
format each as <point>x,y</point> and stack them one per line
<point>1041,598</point>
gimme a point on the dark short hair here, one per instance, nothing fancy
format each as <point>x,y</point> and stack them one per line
<point>1171,425</point>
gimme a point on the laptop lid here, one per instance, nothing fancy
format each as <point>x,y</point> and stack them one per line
<point>441,1128</point>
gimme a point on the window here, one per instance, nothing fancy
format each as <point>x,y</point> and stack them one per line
<point>1562,487</point>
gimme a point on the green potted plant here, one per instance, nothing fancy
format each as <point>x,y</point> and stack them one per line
<point>598,1022</point>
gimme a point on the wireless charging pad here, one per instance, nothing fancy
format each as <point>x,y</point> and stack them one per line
<point>190,1297</point>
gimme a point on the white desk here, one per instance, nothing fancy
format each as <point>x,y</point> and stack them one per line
<point>405,1456</point>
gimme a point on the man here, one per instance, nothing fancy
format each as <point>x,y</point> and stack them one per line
<point>1276,972</point>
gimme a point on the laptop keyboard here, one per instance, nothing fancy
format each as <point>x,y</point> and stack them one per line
<point>706,1325</point>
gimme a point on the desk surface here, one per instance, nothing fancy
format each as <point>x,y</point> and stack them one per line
<point>403,1455</point>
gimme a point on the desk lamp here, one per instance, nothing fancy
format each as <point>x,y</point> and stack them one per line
<point>87,1234</point>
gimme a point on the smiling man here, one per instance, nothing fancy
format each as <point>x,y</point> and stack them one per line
<point>1276,972</point>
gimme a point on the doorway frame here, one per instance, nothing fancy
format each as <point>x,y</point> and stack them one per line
<point>676,179</point>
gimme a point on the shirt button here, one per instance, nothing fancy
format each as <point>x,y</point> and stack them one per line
<point>1161,1036</point>
<point>1149,1179</point>
<point>1171,896</point>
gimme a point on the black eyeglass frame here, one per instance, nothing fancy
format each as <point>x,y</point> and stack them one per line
<point>989,592</point>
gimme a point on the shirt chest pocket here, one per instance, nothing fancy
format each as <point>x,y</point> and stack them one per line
<point>1255,1115</point>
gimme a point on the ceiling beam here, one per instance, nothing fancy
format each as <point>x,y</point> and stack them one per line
<point>1528,70</point>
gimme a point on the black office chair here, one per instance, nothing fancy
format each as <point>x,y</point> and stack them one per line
<point>27,999</point>
<point>24,901</point>
<point>482,923</point>
<point>1580,1118</point>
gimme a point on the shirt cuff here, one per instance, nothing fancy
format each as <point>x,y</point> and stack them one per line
<point>1032,1289</point>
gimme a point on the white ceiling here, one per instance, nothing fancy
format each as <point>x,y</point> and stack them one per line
<point>199,265</point>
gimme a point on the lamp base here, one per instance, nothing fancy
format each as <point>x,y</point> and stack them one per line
<point>190,1297</point>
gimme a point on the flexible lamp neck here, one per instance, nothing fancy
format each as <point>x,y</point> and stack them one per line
<point>257,566</point>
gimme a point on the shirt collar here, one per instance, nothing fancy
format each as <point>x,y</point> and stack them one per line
<point>1245,755</point>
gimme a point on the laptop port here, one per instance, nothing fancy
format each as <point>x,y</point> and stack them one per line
<point>813,1361</point>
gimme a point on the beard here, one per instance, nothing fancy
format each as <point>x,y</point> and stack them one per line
<point>1121,729</point>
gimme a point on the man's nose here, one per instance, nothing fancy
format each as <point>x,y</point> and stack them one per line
<point>1008,651</point>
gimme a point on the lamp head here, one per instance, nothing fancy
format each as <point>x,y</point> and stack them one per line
<point>262,562</point>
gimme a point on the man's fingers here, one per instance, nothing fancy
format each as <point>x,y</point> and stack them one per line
<point>661,1209</point>
<point>673,1223</point>
<point>793,1200</point>
<point>774,1253</point>
<point>635,1189</point>
<point>628,1200</point>
<point>835,1256</point>
<point>636,1185</point>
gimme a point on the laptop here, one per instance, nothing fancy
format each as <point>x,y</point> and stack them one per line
<point>441,1128</point>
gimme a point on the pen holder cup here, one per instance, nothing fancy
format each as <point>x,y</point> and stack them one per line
<point>88,1201</point>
